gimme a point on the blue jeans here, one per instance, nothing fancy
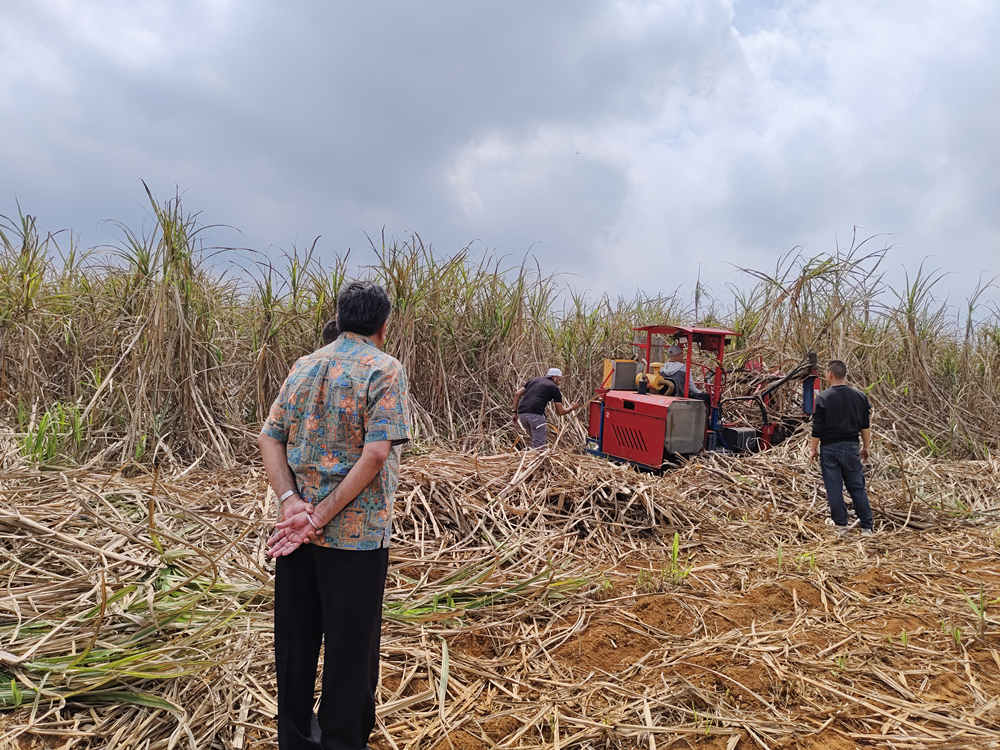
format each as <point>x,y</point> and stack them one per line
<point>841,465</point>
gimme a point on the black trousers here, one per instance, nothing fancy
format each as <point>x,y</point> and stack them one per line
<point>841,465</point>
<point>332,596</point>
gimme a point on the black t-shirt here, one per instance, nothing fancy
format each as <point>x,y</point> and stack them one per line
<point>841,413</point>
<point>537,394</point>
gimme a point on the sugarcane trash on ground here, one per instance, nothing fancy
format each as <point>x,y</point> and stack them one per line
<point>533,599</point>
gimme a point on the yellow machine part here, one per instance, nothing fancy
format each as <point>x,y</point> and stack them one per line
<point>656,383</point>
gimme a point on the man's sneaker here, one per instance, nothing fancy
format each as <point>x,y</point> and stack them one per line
<point>867,532</point>
<point>842,530</point>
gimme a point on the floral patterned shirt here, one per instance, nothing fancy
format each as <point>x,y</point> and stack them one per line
<point>333,401</point>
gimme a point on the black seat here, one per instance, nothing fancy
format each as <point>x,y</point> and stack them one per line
<point>669,388</point>
<point>676,381</point>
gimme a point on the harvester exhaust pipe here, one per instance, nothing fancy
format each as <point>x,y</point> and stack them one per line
<point>642,387</point>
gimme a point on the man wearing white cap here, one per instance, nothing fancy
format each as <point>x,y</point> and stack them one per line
<point>530,402</point>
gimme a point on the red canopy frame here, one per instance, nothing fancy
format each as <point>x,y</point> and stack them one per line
<point>708,339</point>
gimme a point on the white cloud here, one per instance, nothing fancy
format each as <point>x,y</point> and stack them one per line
<point>830,117</point>
<point>625,142</point>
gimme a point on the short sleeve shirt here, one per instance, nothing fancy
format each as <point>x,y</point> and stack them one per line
<point>537,394</point>
<point>333,401</point>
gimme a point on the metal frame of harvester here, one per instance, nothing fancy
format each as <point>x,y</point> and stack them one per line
<point>629,423</point>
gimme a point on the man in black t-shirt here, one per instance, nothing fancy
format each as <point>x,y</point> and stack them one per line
<point>530,402</point>
<point>843,414</point>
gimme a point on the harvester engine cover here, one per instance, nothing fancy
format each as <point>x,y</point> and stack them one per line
<point>643,428</point>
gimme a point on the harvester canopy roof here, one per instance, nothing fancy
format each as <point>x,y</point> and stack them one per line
<point>699,335</point>
<point>685,330</point>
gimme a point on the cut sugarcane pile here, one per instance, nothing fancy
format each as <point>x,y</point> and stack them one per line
<point>534,600</point>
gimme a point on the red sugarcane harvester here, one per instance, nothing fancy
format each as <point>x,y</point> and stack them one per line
<point>640,417</point>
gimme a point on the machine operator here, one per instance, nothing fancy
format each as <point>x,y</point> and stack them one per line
<point>673,369</point>
<point>530,402</point>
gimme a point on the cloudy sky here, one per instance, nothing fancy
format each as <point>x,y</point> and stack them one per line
<point>622,142</point>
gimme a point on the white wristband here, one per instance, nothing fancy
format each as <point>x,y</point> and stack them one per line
<point>285,495</point>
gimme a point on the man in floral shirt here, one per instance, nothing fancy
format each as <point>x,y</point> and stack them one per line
<point>327,446</point>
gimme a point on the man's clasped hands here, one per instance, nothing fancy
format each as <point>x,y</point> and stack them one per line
<point>296,527</point>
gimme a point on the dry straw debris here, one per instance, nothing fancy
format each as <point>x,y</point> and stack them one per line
<point>535,600</point>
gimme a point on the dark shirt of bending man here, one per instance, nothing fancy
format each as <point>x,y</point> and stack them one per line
<point>842,415</point>
<point>327,446</point>
<point>530,403</point>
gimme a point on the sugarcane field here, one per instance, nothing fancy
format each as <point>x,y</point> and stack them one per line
<point>656,566</point>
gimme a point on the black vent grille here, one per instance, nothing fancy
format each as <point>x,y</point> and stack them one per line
<point>629,438</point>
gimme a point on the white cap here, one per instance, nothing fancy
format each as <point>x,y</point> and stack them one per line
<point>554,372</point>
